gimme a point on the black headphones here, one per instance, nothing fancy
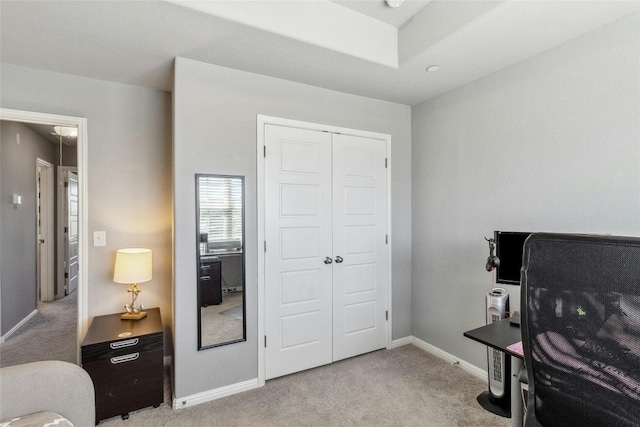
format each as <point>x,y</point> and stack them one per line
<point>493,261</point>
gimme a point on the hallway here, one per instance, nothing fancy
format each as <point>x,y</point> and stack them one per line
<point>49,335</point>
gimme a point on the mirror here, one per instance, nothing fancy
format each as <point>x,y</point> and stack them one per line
<point>220,249</point>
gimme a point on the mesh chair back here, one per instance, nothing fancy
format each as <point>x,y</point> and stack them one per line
<point>581,329</point>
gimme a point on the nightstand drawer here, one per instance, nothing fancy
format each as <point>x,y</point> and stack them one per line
<point>127,382</point>
<point>108,350</point>
<point>125,361</point>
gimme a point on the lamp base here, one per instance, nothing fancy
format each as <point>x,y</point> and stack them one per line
<point>133,316</point>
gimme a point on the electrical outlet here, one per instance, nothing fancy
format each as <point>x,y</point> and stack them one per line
<point>99,238</point>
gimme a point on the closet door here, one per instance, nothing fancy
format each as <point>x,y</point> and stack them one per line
<point>298,282</point>
<point>361,263</point>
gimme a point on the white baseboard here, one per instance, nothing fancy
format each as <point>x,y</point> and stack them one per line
<point>436,351</point>
<point>209,395</point>
<point>401,341</point>
<point>18,326</point>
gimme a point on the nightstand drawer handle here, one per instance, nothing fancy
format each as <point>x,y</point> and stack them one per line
<point>122,344</point>
<point>126,358</point>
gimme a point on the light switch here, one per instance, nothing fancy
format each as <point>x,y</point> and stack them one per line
<point>99,238</point>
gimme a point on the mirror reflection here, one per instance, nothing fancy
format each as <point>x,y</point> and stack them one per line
<point>220,237</point>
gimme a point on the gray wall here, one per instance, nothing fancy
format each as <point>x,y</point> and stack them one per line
<point>129,173</point>
<point>18,243</point>
<point>215,112</point>
<point>549,144</point>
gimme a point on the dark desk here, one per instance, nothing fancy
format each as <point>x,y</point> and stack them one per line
<point>499,335</point>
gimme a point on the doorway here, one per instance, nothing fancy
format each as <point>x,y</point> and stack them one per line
<point>80,124</point>
<point>324,277</point>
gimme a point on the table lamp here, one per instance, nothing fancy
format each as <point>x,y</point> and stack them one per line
<point>133,266</point>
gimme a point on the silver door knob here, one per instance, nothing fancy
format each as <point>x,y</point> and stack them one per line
<point>339,259</point>
<point>328,260</point>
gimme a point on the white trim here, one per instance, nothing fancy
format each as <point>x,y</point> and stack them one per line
<point>18,326</point>
<point>389,246</point>
<point>83,238</point>
<point>261,121</point>
<point>448,357</point>
<point>43,162</point>
<point>217,393</point>
<point>401,342</point>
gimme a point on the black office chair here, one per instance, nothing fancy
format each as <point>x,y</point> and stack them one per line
<point>581,330</point>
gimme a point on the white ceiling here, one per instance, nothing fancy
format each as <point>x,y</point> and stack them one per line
<point>134,42</point>
<point>378,9</point>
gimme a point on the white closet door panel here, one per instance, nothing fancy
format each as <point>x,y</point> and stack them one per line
<point>360,281</point>
<point>298,289</point>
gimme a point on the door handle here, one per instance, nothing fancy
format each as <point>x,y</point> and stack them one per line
<point>328,260</point>
<point>339,259</point>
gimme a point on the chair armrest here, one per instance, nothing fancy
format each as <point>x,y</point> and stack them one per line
<point>56,386</point>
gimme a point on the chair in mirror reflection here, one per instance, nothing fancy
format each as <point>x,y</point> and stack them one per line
<point>220,240</point>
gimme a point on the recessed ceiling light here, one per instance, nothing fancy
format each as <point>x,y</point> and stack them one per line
<point>432,68</point>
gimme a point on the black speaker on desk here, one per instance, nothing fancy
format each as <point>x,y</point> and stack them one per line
<point>497,399</point>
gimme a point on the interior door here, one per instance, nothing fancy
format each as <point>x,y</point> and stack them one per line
<point>361,264</point>
<point>71,233</point>
<point>326,262</point>
<point>45,227</point>
<point>298,282</point>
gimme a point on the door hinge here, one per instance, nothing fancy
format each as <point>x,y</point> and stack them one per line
<point>265,246</point>
<point>264,151</point>
<point>66,275</point>
<point>66,184</point>
<point>386,239</point>
<point>386,163</point>
<point>265,341</point>
<point>66,229</point>
<point>386,315</point>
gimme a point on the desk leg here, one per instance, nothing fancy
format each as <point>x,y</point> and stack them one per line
<point>516,401</point>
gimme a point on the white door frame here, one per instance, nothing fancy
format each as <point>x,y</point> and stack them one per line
<point>263,120</point>
<point>83,142</point>
<point>45,240</point>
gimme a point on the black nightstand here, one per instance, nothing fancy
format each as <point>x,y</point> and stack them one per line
<point>125,361</point>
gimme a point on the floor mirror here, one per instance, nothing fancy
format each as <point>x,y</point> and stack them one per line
<point>220,266</point>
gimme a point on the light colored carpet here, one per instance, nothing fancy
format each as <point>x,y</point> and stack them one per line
<point>49,335</point>
<point>223,322</point>
<point>400,387</point>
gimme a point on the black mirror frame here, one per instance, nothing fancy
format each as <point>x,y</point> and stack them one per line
<point>197,246</point>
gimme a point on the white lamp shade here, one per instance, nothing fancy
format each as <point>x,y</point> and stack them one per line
<point>133,265</point>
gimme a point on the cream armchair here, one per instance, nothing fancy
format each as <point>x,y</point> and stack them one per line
<point>60,387</point>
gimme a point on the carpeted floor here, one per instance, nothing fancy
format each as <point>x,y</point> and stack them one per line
<point>223,322</point>
<point>49,335</point>
<point>400,387</point>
